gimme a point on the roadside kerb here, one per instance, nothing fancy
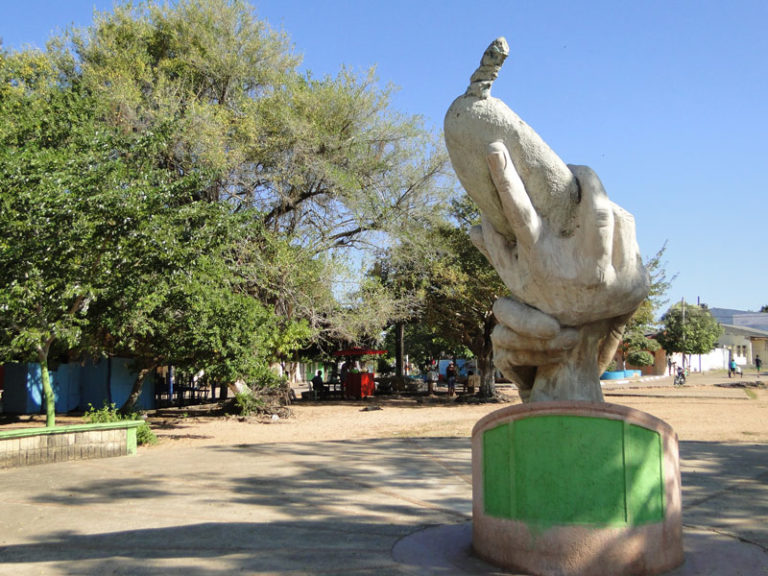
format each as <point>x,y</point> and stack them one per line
<point>28,446</point>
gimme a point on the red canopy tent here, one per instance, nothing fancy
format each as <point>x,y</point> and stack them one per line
<point>358,384</point>
<point>358,352</point>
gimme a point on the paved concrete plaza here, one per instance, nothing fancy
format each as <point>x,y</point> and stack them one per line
<point>389,506</point>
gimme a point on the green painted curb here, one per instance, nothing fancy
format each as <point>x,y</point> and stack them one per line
<point>130,425</point>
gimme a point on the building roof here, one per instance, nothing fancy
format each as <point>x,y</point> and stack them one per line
<point>744,331</point>
<point>727,316</point>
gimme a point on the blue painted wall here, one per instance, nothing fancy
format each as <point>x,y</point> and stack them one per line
<point>66,386</point>
<point>19,392</point>
<point>122,384</point>
<point>94,386</point>
<point>74,386</point>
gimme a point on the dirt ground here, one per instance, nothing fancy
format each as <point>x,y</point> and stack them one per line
<point>711,408</point>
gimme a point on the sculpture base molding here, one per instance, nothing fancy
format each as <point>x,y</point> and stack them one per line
<point>576,488</point>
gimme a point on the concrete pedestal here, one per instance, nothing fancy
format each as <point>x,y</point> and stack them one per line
<point>576,489</point>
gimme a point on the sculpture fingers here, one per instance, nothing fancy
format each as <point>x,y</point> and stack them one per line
<point>627,259</point>
<point>625,249</point>
<point>634,279</point>
<point>596,230</point>
<point>523,376</point>
<point>563,342</point>
<point>517,206</point>
<point>527,358</point>
<point>476,236</point>
<point>524,319</point>
<point>501,253</point>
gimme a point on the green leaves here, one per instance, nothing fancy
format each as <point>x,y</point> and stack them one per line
<point>453,283</point>
<point>690,329</point>
<point>173,190</point>
<point>46,253</point>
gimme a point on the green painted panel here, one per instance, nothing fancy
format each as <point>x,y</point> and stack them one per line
<point>560,469</point>
<point>576,466</point>
<point>645,475</point>
<point>497,472</point>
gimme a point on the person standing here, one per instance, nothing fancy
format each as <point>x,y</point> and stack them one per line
<point>344,370</point>
<point>758,364</point>
<point>433,375</point>
<point>450,378</point>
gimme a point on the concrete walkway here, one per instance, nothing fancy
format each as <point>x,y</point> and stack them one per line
<point>379,507</point>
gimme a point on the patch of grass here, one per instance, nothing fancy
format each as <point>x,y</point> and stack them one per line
<point>750,393</point>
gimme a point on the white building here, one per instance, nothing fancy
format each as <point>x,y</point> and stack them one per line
<point>743,343</point>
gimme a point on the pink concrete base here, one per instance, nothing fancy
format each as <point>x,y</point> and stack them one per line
<point>580,550</point>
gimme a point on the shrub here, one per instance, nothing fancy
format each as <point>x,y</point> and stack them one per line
<point>109,413</point>
<point>266,379</point>
<point>640,358</point>
<point>247,404</point>
<point>144,434</point>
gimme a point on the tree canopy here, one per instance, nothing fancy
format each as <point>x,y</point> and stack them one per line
<point>689,329</point>
<point>175,190</point>
<point>455,287</point>
<point>637,347</point>
<point>324,160</point>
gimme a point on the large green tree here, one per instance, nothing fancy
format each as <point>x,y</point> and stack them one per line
<point>177,295</point>
<point>689,329</point>
<point>406,278</point>
<point>324,162</point>
<point>174,189</point>
<point>50,256</point>
<point>463,288</point>
<point>455,288</point>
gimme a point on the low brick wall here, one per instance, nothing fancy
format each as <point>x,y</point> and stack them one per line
<point>28,446</point>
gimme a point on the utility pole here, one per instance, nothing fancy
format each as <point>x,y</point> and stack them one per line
<point>683,330</point>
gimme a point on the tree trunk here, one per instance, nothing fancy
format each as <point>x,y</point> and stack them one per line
<point>485,361</point>
<point>487,376</point>
<point>48,397</point>
<point>138,384</point>
<point>399,350</point>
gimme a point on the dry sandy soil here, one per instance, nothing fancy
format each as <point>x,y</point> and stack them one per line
<point>708,408</point>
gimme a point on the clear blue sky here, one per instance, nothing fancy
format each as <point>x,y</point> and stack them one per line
<point>666,100</point>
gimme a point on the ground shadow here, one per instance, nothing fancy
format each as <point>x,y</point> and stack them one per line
<point>300,547</point>
<point>724,484</point>
<point>315,507</point>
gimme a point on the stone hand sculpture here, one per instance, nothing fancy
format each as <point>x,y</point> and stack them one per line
<point>568,255</point>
